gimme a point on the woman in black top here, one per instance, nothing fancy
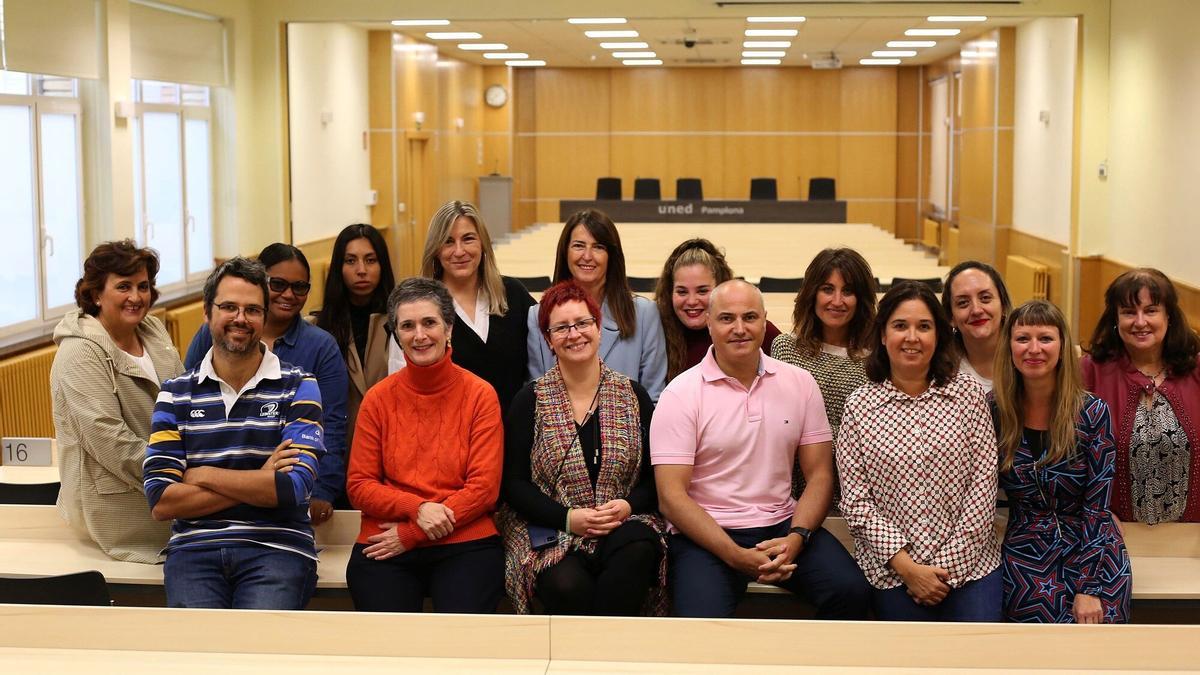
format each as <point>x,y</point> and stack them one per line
<point>491,331</point>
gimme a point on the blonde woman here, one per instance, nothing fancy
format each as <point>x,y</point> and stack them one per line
<point>1064,560</point>
<point>491,309</point>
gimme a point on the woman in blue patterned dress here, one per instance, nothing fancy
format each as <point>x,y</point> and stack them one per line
<point>1064,560</point>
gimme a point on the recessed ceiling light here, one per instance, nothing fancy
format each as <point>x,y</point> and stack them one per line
<point>421,22</point>
<point>932,32</point>
<point>775,19</point>
<point>624,45</point>
<point>763,54</point>
<point>879,62</point>
<point>634,55</point>
<point>643,62</point>
<point>453,36</point>
<point>610,33</point>
<point>586,22</point>
<point>893,53</point>
<point>531,62</point>
<point>906,44</point>
<point>771,32</point>
<point>483,46</point>
<point>985,44</point>
<point>761,62</point>
<point>766,44</point>
<point>506,55</point>
<point>956,19</point>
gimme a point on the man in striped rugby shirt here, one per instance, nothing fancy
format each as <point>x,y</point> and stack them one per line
<point>233,456</point>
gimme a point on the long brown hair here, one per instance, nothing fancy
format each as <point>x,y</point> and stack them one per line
<point>1008,387</point>
<point>943,365</point>
<point>488,274</point>
<point>857,275</point>
<point>1180,345</point>
<point>691,252</point>
<point>617,292</point>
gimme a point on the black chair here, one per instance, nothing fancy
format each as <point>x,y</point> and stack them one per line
<point>642,284</point>
<point>934,283</point>
<point>535,284</point>
<point>763,188</point>
<point>780,284</point>
<point>608,188</point>
<point>79,588</point>
<point>822,189</point>
<point>647,188</point>
<point>688,189</point>
<point>37,493</point>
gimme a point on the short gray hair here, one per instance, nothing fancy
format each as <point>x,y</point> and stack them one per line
<point>415,289</point>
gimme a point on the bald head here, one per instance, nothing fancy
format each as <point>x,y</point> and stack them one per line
<point>735,291</point>
<point>737,322</point>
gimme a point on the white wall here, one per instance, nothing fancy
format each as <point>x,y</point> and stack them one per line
<point>1045,65</point>
<point>331,170</point>
<point>1154,158</point>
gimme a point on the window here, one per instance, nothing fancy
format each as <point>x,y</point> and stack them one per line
<point>41,199</point>
<point>172,166</point>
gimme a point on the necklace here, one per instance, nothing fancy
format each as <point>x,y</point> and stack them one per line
<point>1153,378</point>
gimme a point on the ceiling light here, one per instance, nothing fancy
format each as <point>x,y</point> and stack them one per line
<point>970,54</point>
<point>955,19</point>
<point>893,53</point>
<point>771,32</point>
<point>642,62</point>
<point>533,62</point>
<point>985,44</point>
<point>610,33</point>
<point>932,32</point>
<point>421,22</point>
<point>585,22</point>
<point>483,46</point>
<point>879,62</point>
<point>761,62</point>
<point>909,44</point>
<point>634,55</point>
<point>624,45</point>
<point>453,36</point>
<point>766,44</point>
<point>763,54</point>
<point>775,19</point>
<point>506,55</point>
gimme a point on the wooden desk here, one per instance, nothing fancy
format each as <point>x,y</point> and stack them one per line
<point>28,475</point>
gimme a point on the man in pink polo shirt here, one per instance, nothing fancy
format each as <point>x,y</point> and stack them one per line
<point>723,441</point>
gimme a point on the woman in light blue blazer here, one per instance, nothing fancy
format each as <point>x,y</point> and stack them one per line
<point>631,337</point>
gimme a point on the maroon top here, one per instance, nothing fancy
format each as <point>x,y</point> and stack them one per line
<point>698,342</point>
<point>1121,387</point>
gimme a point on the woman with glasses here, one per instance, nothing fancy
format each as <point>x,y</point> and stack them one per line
<point>581,532</point>
<point>303,345</point>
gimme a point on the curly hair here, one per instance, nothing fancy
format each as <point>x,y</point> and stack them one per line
<point>122,258</point>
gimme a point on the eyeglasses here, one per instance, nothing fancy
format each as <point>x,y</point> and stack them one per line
<point>281,285</point>
<point>565,329</point>
<point>231,310</point>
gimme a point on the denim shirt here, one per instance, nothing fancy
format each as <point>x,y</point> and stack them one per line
<point>312,349</point>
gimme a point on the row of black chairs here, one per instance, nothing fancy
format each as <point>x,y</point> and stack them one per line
<point>765,284</point>
<point>691,189</point>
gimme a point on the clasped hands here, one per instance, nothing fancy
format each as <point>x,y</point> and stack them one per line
<point>599,521</point>
<point>770,561</point>
<point>435,520</point>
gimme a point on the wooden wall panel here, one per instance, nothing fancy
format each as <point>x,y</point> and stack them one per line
<point>569,165</point>
<point>668,158</point>
<point>667,99</point>
<point>1054,256</point>
<point>572,100</point>
<point>524,121</point>
<point>868,100</point>
<point>908,163</point>
<point>497,123</point>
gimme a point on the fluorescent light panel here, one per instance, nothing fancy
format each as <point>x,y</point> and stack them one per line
<point>909,44</point>
<point>642,62</point>
<point>771,32</point>
<point>893,53</point>
<point>634,55</point>
<point>763,54</point>
<point>483,46</point>
<point>766,44</point>
<point>761,62</point>
<point>879,62</point>
<point>530,62</point>
<point>506,55</point>
<point>775,19</point>
<point>624,45</point>
<point>595,21</point>
<point>932,32</point>
<point>985,44</point>
<point>421,22</point>
<point>611,33</point>
<point>955,19</point>
<point>460,35</point>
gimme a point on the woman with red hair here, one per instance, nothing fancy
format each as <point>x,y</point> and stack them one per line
<point>581,532</point>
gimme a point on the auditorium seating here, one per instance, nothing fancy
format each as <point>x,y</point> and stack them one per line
<point>822,189</point>
<point>79,588</point>
<point>780,284</point>
<point>608,188</point>
<point>688,189</point>
<point>643,284</point>
<point>535,284</point>
<point>763,188</point>
<point>647,188</point>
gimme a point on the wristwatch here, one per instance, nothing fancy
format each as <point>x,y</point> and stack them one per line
<point>804,532</point>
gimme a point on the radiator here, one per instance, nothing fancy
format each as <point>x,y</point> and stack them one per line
<point>182,324</point>
<point>25,405</point>
<point>1026,280</point>
<point>931,234</point>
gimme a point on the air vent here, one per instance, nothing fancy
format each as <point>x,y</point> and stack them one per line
<point>703,62</point>
<point>696,42</point>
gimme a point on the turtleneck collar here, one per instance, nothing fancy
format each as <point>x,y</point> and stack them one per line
<point>431,379</point>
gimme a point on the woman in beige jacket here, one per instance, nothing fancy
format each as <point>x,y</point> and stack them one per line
<point>111,358</point>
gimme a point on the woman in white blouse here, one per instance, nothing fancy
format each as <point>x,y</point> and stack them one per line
<point>916,455</point>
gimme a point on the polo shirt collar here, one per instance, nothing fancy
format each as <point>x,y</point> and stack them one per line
<point>711,371</point>
<point>292,335</point>
<point>268,368</point>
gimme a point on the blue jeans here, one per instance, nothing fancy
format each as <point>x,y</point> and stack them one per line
<point>239,577</point>
<point>977,600</point>
<point>702,585</point>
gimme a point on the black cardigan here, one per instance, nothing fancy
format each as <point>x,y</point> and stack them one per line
<point>503,360</point>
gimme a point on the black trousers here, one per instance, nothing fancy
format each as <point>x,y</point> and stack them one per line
<point>467,577</point>
<point>613,581</point>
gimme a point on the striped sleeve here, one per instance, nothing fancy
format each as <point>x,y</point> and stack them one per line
<point>303,429</point>
<point>166,459</point>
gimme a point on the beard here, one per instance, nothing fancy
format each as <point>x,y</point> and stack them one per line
<point>234,348</point>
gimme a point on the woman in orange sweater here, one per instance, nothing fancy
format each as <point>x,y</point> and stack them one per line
<point>425,472</point>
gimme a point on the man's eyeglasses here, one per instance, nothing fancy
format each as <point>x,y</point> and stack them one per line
<point>231,310</point>
<point>281,285</point>
<point>565,329</point>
